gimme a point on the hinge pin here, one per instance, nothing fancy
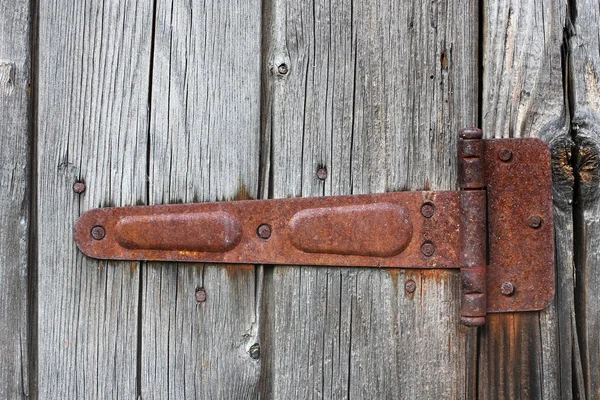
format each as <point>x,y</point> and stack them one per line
<point>473,226</point>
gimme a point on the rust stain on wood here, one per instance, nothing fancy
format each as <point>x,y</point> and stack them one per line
<point>233,271</point>
<point>394,275</point>
<point>242,193</point>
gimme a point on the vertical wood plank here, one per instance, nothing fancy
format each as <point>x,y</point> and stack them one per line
<point>204,146</point>
<point>376,93</point>
<point>531,355</point>
<point>584,80</point>
<point>94,59</point>
<point>15,194</point>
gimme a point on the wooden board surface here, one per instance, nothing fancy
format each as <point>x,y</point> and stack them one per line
<point>92,125</point>
<point>15,192</point>
<point>165,102</point>
<point>584,90</point>
<point>376,93</point>
<point>204,146</point>
<point>531,355</point>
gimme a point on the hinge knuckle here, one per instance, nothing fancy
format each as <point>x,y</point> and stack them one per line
<point>473,226</point>
<point>471,159</point>
<point>473,302</point>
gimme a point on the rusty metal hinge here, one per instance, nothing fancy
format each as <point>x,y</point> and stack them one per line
<point>498,229</point>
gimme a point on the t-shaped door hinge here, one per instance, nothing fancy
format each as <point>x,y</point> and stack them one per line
<point>498,229</point>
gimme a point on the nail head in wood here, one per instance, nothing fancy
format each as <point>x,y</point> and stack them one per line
<point>79,187</point>
<point>410,286</point>
<point>201,295</point>
<point>322,173</point>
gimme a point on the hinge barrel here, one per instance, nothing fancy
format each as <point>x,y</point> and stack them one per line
<point>473,226</point>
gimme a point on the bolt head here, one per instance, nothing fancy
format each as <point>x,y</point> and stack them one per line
<point>427,210</point>
<point>79,187</point>
<point>535,221</point>
<point>427,249</point>
<point>322,173</point>
<point>264,231</point>
<point>507,288</point>
<point>98,232</point>
<point>283,69</point>
<point>255,351</point>
<point>200,295</point>
<point>410,286</point>
<point>505,155</point>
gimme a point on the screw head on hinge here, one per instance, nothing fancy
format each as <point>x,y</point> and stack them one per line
<point>507,289</point>
<point>505,155</point>
<point>98,232</point>
<point>427,249</point>
<point>264,231</point>
<point>427,210</point>
<point>535,221</point>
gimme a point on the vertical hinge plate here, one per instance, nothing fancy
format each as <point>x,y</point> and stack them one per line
<point>520,273</point>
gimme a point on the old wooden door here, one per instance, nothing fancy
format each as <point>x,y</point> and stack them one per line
<point>159,102</point>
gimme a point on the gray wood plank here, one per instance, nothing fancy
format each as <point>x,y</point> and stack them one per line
<point>204,146</point>
<point>530,355</point>
<point>93,70</point>
<point>584,73</point>
<point>15,80</point>
<point>375,92</point>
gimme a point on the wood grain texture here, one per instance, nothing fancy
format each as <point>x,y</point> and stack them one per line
<point>204,146</point>
<point>375,92</point>
<point>584,80</point>
<point>531,355</point>
<point>93,70</point>
<point>15,78</point>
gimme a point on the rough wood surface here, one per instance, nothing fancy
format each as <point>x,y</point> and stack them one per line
<point>178,101</point>
<point>584,83</point>
<point>93,69</point>
<point>375,92</point>
<point>531,355</point>
<point>204,146</point>
<point>15,78</point>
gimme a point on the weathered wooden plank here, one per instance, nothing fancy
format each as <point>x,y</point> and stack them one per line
<point>584,79</point>
<point>531,355</point>
<point>375,92</point>
<point>204,146</point>
<point>15,78</point>
<point>93,70</point>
